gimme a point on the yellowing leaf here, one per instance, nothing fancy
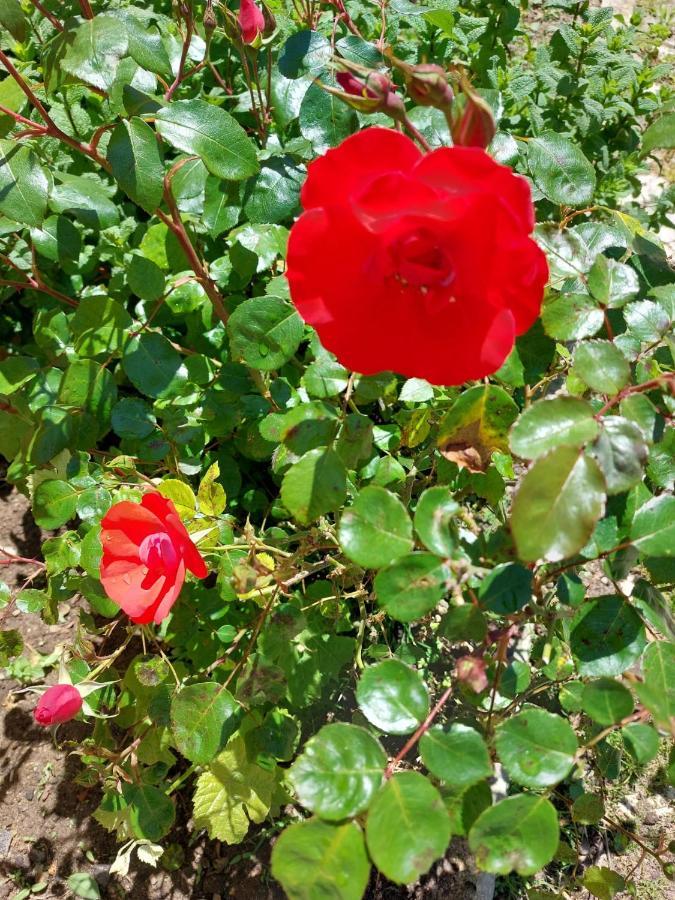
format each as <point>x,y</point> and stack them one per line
<point>477,424</point>
<point>211,495</point>
<point>232,793</point>
<point>182,496</point>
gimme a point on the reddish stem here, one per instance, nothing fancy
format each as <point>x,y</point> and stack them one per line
<point>45,12</point>
<point>424,727</point>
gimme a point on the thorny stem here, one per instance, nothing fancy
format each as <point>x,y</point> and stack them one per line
<point>424,727</point>
<point>668,379</point>
<point>45,12</point>
<point>180,75</point>
<point>87,11</point>
<point>254,637</point>
<point>421,140</point>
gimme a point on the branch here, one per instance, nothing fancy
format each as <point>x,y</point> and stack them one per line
<point>424,727</point>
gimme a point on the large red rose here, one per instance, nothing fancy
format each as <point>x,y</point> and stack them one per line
<point>417,263</point>
<point>146,551</point>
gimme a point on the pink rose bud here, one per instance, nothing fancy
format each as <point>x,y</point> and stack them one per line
<point>475,127</point>
<point>58,704</point>
<point>251,21</point>
<point>350,84</point>
<point>428,86</point>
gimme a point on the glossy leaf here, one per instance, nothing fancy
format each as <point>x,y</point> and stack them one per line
<point>607,637</point>
<point>560,169</point>
<point>560,422</point>
<point>537,747</point>
<point>457,755</point>
<point>393,697</point>
<point>518,834</point>
<point>133,154</point>
<point>203,716</point>
<point>376,529</point>
<point>411,586</point>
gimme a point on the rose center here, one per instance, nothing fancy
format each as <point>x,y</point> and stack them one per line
<point>420,259</point>
<point>158,552</point>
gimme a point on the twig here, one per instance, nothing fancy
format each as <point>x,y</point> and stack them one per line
<point>424,727</point>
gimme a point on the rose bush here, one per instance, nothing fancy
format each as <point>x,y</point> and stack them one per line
<point>355,484</point>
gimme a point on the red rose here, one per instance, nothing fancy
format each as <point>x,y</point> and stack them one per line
<point>251,21</point>
<point>58,704</point>
<point>146,550</point>
<point>420,264</point>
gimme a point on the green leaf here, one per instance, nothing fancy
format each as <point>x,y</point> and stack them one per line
<point>339,771</point>
<point>133,418</point>
<point>606,701</point>
<point>659,135</point>
<point>463,623</point>
<point>84,885</point>
<point>305,52</point>
<point>547,424</point>
<point>57,239</point>
<point>325,121</point>
<point>477,424</point>
<point>570,317</point>
<point>15,371</point>
<point>557,505</point>
<point>315,485</point>
<point>612,283</point>
<point>153,366</point>
<point>560,170</point>
<point>11,645</point>
<point>54,503</point>
<point>325,377</point>
<point>222,205</point>
<point>203,717</point>
<point>457,755</point>
<point>641,741</point>
<point>393,697</point>
<point>13,18</point>
<point>87,393</point>
<point>100,326</point>
<point>607,637</point>
<point>537,747</point>
<point>211,494</point>
<point>506,589</point>
<point>436,509</point>
<point>151,812</point>
<point>24,186</point>
<point>96,50</point>
<point>30,600</point>
<point>602,366</point>
<point>588,809</point>
<point>376,529</point>
<point>653,528</point>
<point>603,883</point>
<point>265,332</point>
<point>657,690</point>
<point>212,134</point>
<point>411,586</point>
<point>621,453</point>
<point>647,321</point>
<point>518,834</point>
<point>232,793</point>
<point>85,198</point>
<point>136,164</point>
<point>275,193</point>
<point>407,828</point>
<point>314,860</point>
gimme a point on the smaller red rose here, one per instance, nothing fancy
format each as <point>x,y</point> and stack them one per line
<point>146,550</point>
<point>251,21</point>
<point>59,703</point>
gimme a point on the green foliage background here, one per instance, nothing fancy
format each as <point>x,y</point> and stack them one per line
<point>368,585</point>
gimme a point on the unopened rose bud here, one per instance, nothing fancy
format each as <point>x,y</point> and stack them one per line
<point>376,93</point>
<point>209,18</point>
<point>270,21</point>
<point>251,21</point>
<point>427,85</point>
<point>60,703</point>
<point>475,125</point>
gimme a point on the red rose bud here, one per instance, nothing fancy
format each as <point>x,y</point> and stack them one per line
<point>146,550</point>
<point>270,21</point>
<point>353,85</point>
<point>60,703</point>
<point>376,93</point>
<point>427,85</point>
<point>471,671</point>
<point>209,19</point>
<point>251,21</point>
<point>475,125</point>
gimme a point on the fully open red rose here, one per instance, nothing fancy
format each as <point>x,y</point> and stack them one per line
<point>59,703</point>
<point>146,551</point>
<point>420,264</point>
